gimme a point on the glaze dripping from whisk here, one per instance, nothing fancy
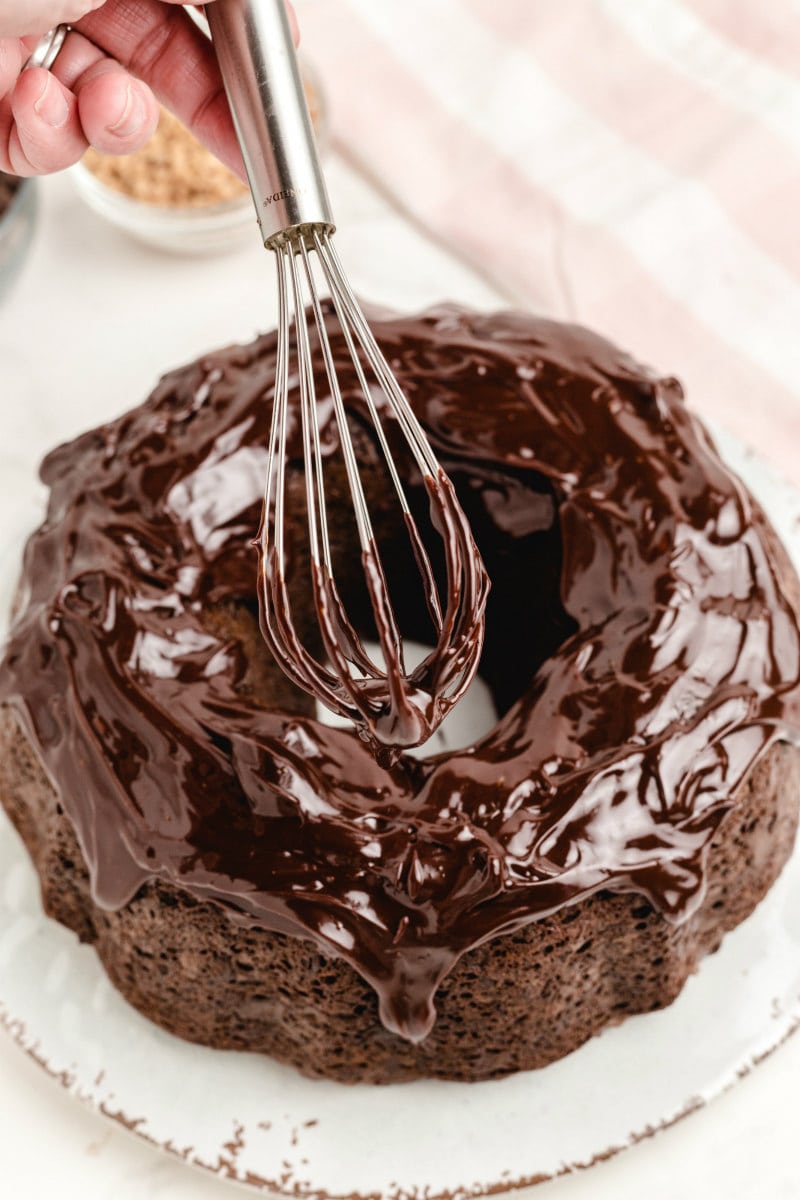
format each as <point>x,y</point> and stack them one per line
<point>392,708</point>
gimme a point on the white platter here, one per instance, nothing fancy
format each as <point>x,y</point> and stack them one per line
<point>250,1120</point>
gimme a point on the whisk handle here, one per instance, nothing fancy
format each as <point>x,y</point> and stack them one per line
<point>254,47</point>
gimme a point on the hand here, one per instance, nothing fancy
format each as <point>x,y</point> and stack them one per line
<point>120,58</point>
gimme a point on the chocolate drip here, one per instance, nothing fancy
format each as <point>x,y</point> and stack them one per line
<point>638,646</point>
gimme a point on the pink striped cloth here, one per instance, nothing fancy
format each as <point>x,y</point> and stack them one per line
<point>633,165</point>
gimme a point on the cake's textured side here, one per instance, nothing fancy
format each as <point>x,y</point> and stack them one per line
<point>515,1003</point>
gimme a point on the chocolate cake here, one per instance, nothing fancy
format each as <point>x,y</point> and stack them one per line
<point>252,878</point>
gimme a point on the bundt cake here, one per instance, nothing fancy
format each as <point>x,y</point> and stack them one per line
<point>252,878</point>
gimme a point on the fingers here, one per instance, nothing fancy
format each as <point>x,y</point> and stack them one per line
<point>12,56</point>
<point>164,47</point>
<point>39,127</point>
<point>35,16</point>
<point>161,45</point>
<point>51,116</point>
<point>99,93</point>
<point>118,114</point>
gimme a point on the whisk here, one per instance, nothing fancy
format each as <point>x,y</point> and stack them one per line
<point>389,704</point>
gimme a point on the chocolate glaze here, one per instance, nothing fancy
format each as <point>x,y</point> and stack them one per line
<point>638,645</point>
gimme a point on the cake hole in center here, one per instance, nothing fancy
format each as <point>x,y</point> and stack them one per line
<point>514,516</point>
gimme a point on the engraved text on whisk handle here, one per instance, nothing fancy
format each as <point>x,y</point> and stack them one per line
<point>286,194</point>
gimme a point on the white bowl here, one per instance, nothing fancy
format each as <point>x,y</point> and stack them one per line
<point>206,229</point>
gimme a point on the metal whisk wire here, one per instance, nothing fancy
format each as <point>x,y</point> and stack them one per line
<point>390,704</point>
<point>387,698</point>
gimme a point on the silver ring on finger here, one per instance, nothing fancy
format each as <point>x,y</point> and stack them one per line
<point>48,48</point>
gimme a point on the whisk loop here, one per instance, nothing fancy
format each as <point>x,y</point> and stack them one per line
<point>392,705</point>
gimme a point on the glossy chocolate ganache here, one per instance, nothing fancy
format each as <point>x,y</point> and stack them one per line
<point>638,647</point>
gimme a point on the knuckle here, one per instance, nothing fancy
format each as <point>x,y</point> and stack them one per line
<point>153,48</point>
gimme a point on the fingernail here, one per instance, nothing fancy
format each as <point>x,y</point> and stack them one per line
<point>132,115</point>
<point>52,106</point>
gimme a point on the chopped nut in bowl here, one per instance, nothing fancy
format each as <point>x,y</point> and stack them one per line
<point>173,194</point>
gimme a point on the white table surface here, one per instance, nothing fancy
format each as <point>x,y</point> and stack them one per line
<point>91,324</point>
